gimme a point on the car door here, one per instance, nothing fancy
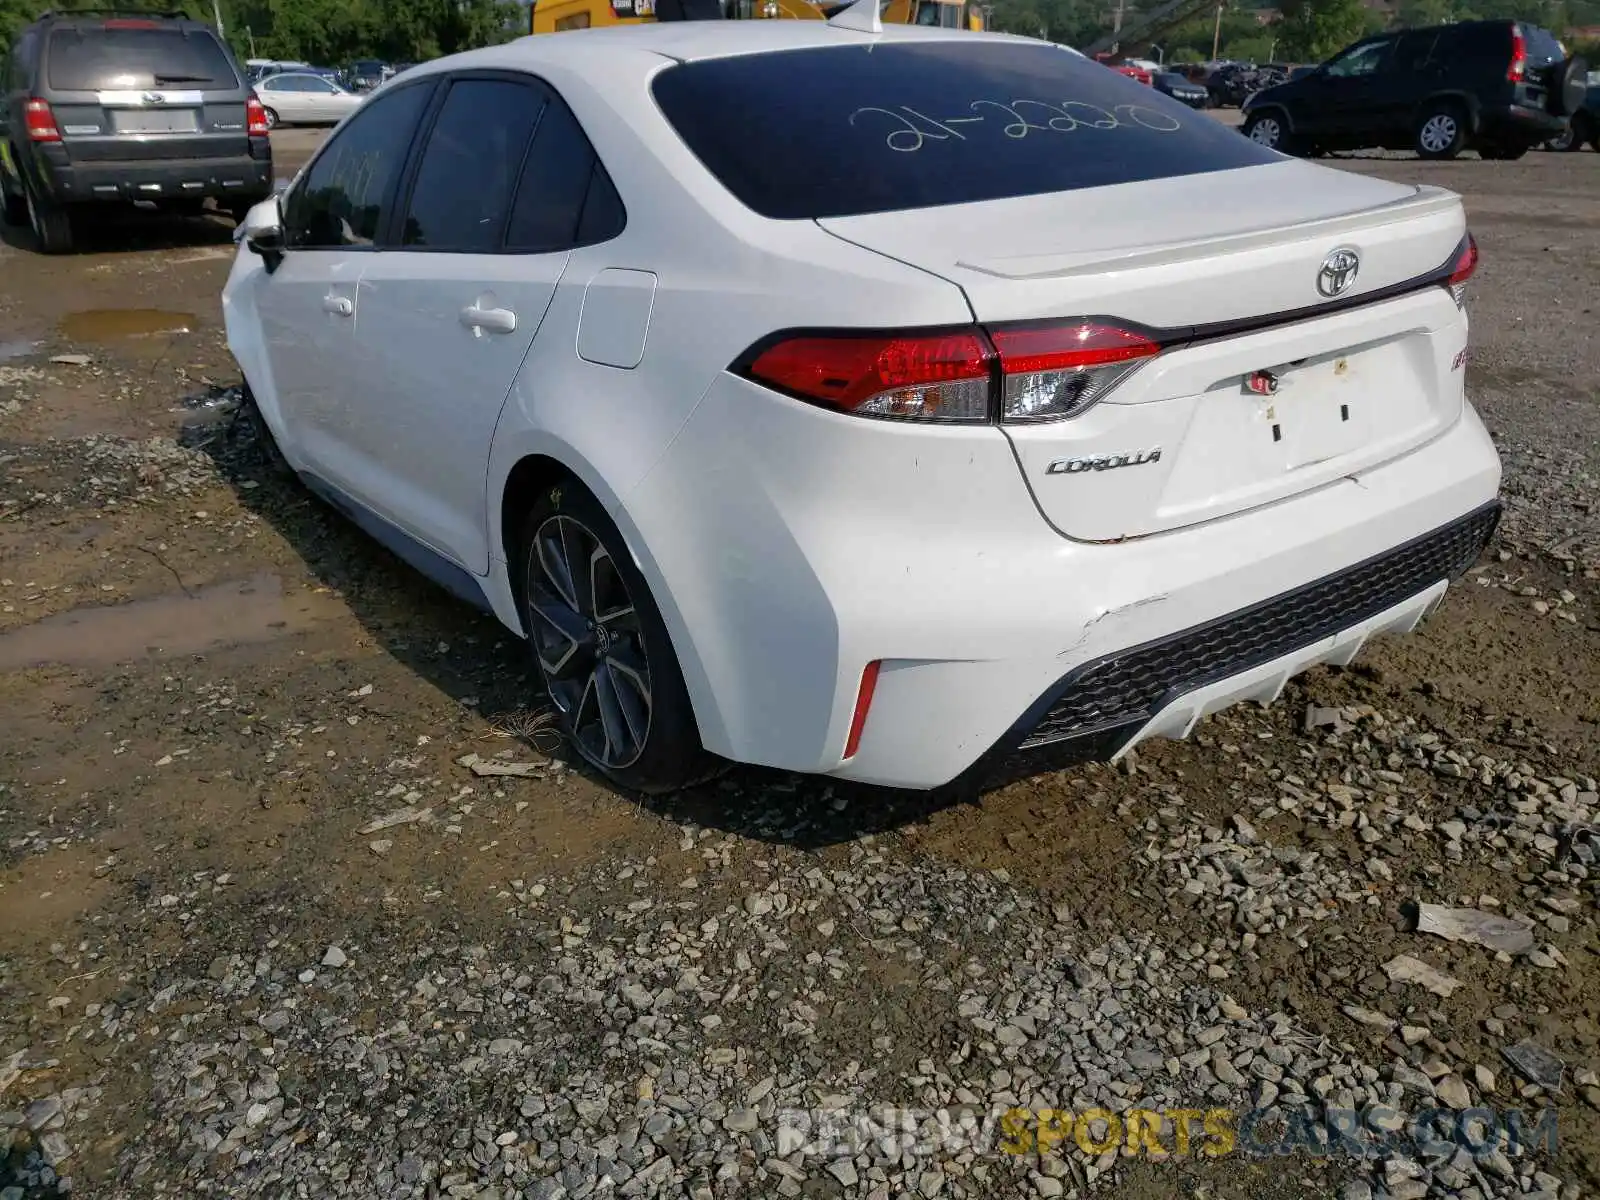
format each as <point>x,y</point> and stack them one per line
<point>1403,80</point>
<point>450,308</point>
<point>324,103</point>
<point>1340,104</point>
<point>281,94</point>
<point>331,219</point>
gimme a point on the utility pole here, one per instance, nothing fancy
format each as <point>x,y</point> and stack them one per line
<point>1216,36</point>
<point>216,12</point>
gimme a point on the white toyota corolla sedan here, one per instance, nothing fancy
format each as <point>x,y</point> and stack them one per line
<point>868,403</point>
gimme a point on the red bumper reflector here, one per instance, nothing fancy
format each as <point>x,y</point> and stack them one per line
<point>869,683</point>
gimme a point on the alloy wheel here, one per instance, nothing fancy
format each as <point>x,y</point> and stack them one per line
<point>589,641</point>
<point>1438,132</point>
<point>1267,132</point>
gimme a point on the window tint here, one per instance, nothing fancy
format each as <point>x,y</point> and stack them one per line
<point>1474,45</point>
<point>1366,59</point>
<point>911,125</point>
<point>1413,51</point>
<point>470,166</point>
<point>108,59</point>
<point>343,198</point>
<point>559,176</point>
<point>603,216</point>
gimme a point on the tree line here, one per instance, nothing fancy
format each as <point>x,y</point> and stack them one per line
<point>332,32</point>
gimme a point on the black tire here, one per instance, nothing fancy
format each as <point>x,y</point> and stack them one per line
<point>1567,139</point>
<point>1441,132</point>
<point>51,223</point>
<point>1579,131</point>
<point>13,204</point>
<point>272,117</point>
<point>602,649</point>
<point>1271,130</point>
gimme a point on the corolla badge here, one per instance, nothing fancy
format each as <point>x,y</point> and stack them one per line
<point>1338,272</point>
<point>1103,462</point>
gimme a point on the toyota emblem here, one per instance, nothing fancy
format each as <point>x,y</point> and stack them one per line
<point>1338,272</point>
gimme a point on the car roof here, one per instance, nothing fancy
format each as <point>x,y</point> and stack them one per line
<point>688,41</point>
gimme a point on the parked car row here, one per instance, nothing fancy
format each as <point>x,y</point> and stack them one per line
<point>1498,87</point>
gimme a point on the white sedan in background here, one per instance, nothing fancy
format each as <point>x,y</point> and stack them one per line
<point>986,402</point>
<point>305,98</point>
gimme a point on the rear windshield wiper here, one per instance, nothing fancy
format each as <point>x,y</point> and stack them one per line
<point>182,78</point>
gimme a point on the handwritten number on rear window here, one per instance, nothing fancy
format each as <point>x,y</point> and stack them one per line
<point>1016,119</point>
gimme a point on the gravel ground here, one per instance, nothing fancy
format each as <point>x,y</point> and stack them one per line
<point>267,928</point>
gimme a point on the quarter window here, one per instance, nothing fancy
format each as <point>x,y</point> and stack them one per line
<point>566,197</point>
<point>469,169</point>
<point>345,198</point>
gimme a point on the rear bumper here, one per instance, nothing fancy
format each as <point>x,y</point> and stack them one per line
<point>1163,688</point>
<point>245,179</point>
<point>1517,122</point>
<point>921,549</point>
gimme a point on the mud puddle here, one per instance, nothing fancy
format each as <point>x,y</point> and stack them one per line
<point>243,612</point>
<point>119,324</point>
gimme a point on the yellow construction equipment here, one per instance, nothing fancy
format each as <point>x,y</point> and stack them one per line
<point>553,16</point>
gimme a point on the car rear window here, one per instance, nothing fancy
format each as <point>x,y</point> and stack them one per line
<point>844,130</point>
<point>109,59</point>
<point>1542,45</point>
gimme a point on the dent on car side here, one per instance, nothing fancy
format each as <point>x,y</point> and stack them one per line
<point>726,278</point>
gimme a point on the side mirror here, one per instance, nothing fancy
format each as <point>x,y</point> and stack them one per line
<point>262,232</point>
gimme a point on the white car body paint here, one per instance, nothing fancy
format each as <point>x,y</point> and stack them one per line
<point>787,545</point>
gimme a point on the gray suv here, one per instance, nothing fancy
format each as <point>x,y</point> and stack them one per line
<point>101,108</point>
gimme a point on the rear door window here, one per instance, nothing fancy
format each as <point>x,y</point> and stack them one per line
<point>843,130</point>
<point>116,58</point>
<point>474,153</point>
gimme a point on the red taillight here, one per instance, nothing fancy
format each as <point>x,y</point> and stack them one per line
<point>255,116</point>
<point>40,122</point>
<point>858,720</point>
<point>934,376</point>
<point>1519,56</point>
<point>1068,347</point>
<point>1045,372</point>
<point>1466,262</point>
<point>1056,371</point>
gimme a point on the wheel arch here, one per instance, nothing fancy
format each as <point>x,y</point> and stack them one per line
<point>1277,108</point>
<point>1458,99</point>
<point>534,468</point>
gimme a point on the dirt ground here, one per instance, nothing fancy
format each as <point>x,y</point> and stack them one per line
<point>210,686</point>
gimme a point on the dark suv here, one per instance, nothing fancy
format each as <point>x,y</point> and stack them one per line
<point>1500,87</point>
<point>101,108</point>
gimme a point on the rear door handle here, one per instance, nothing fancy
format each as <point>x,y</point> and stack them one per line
<point>495,320</point>
<point>339,306</point>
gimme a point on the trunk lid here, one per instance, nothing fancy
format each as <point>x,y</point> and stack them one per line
<point>1227,266</point>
